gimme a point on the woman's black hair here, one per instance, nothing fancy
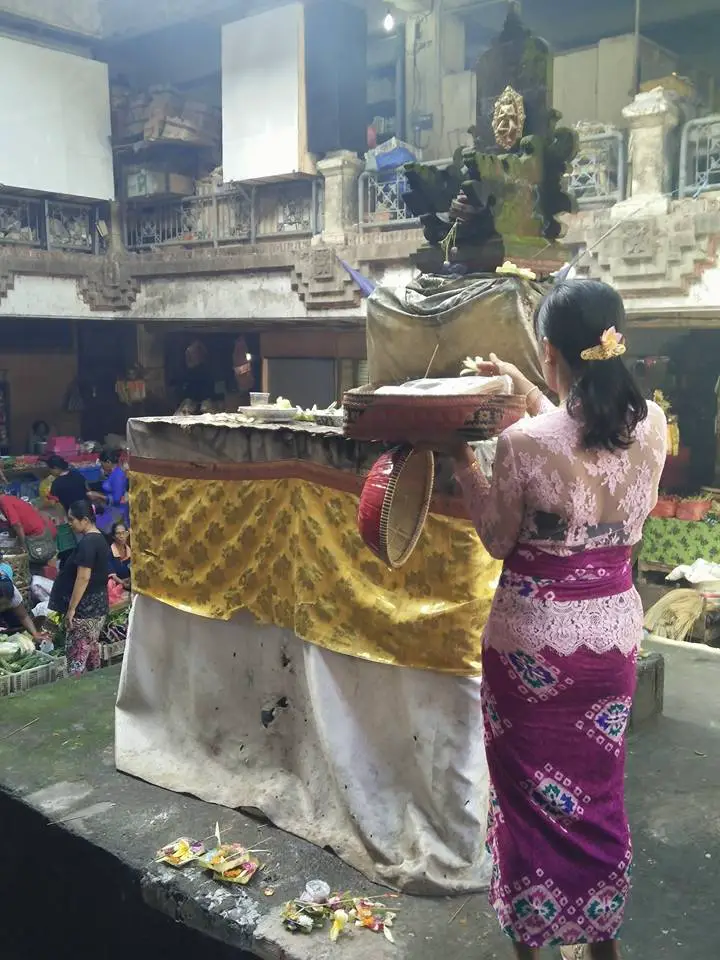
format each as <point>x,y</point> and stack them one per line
<point>82,510</point>
<point>54,462</point>
<point>604,395</point>
<point>110,456</point>
<point>7,589</point>
<point>41,423</point>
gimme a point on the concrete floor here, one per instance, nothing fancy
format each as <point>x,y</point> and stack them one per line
<point>98,894</point>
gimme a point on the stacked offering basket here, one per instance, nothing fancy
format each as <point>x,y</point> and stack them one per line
<point>396,496</point>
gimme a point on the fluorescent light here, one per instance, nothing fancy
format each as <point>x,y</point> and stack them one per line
<point>389,22</point>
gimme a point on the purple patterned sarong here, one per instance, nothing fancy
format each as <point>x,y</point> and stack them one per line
<point>555,734</point>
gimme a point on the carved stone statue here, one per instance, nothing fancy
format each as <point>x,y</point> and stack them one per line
<point>503,195</point>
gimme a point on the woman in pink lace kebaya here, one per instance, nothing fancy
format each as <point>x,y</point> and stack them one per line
<point>570,491</point>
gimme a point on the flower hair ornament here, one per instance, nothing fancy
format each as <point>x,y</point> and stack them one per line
<point>611,345</point>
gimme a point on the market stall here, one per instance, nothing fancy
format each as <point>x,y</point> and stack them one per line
<point>274,662</point>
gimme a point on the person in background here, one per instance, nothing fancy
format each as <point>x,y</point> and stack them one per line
<point>115,490</point>
<point>120,554</point>
<point>34,532</point>
<point>80,590</point>
<point>5,569</point>
<point>68,485</point>
<point>13,615</point>
<point>39,436</point>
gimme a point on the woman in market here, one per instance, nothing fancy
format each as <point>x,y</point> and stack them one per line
<point>68,485</point>
<point>120,554</point>
<point>34,532</point>
<point>13,615</point>
<point>115,492</point>
<point>80,590</point>
<point>570,491</point>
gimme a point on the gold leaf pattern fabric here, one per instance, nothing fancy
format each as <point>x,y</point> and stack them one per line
<point>288,551</point>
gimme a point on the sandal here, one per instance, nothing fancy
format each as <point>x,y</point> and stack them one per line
<point>579,951</point>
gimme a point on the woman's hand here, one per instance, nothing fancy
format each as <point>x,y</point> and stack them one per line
<point>521,384</point>
<point>69,619</point>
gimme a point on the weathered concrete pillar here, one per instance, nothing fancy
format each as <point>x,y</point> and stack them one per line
<point>341,170</point>
<point>151,357</point>
<point>651,117</point>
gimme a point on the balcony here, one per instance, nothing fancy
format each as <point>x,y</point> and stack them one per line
<point>239,213</point>
<point>596,179</point>
<point>700,157</point>
<point>597,175</point>
<point>380,200</point>
<point>46,224</point>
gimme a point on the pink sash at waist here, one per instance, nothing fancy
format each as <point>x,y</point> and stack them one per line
<point>582,576</point>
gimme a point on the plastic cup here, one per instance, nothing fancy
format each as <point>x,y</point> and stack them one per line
<point>259,399</point>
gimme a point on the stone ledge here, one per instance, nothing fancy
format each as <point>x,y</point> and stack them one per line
<point>60,792</point>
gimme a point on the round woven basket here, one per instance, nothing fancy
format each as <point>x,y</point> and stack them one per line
<point>394,418</point>
<point>394,503</point>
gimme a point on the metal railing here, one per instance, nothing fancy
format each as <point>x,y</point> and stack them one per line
<point>700,156</point>
<point>597,178</point>
<point>380,199</point>
<point>236,214</point>
<point>597,174</point>
<point>49,224</point>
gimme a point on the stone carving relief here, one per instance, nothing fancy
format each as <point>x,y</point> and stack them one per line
<point>109,285</point>
<point>658,256</point>
<point>321,282</point>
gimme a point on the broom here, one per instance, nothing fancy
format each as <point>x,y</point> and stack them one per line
<point>675,615</point>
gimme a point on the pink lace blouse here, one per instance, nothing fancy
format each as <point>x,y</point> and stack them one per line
<point>549,491</point>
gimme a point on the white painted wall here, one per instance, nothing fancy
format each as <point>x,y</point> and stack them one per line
<point>76,16</point>
<point>268,296</point>
<point>263,95</point>
<point>595,83</point>
<point>54,122</point>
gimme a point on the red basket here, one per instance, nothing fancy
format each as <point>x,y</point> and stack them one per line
<point>395,418</point>
<point>665,508</point>
<point>693,510</point>
<point>395,502</point>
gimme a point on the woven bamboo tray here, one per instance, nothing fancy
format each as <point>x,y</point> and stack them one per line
<point>394,503</point>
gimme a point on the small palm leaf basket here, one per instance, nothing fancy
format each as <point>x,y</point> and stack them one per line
<point>395,502</point>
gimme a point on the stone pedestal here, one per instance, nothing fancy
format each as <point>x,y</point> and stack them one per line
<point>340,170</point>
<point>651,117</point>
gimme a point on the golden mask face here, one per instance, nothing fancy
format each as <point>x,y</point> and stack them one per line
<point>508,120</point>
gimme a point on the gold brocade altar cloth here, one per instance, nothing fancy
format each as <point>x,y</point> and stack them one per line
<point>279,539</point>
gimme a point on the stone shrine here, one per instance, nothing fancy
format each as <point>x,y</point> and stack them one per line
<point>503,195</point>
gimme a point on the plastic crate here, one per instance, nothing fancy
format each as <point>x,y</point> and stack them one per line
<point>54,668</point>
<point>111,652</point>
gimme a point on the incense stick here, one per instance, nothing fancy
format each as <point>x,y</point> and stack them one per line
<point>19,729</point>
<point>432,360</point>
